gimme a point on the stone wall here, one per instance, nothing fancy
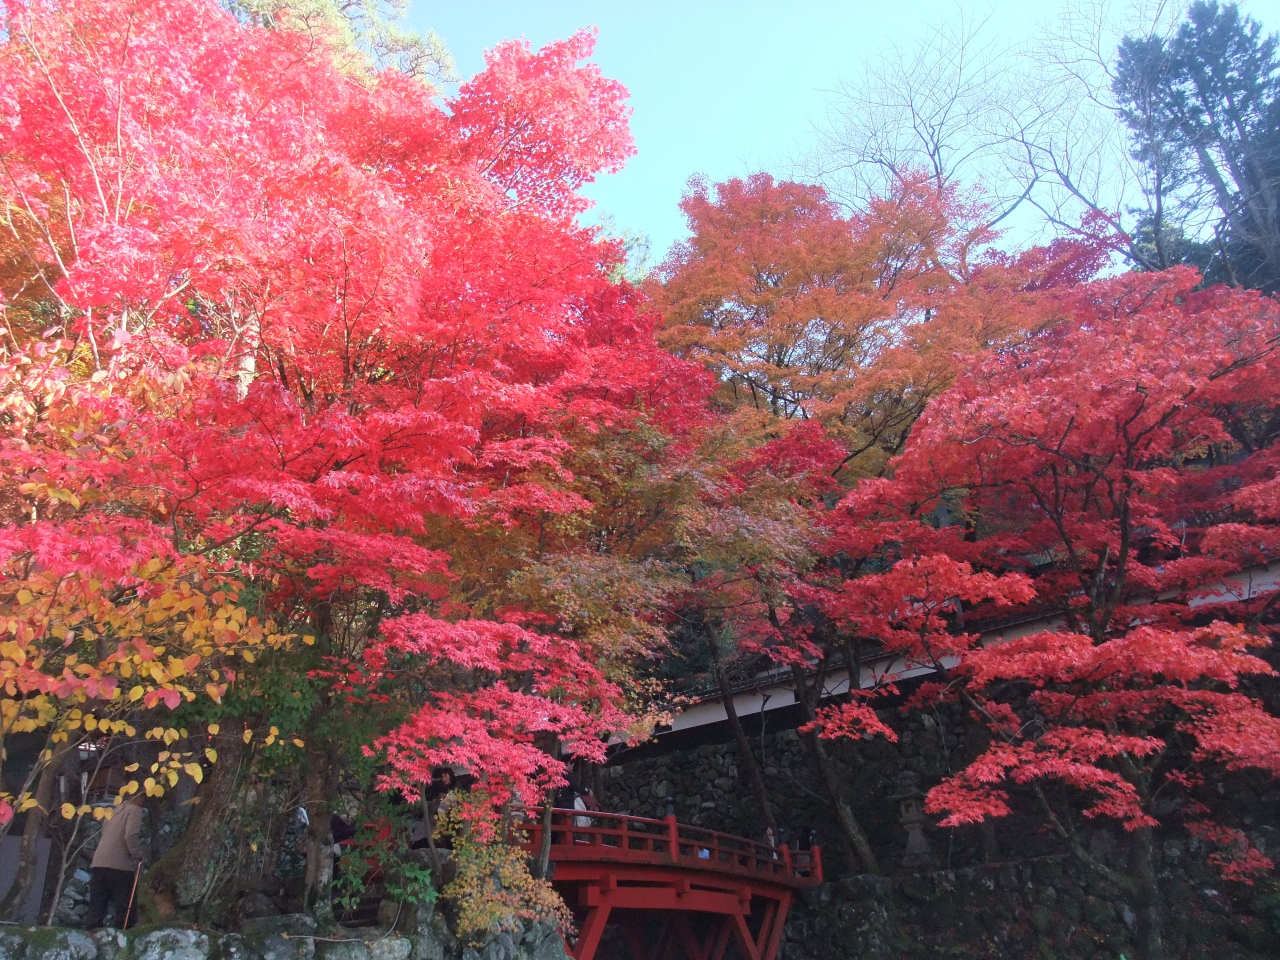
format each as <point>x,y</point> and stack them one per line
<point>708,790</point>
<point>1008,892</point>
<point>1047,909</point>
<point>423,936</point>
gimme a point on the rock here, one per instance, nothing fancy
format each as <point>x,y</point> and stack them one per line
<point>1128,916</point>
<point>71,945</point>
<point>342,951</point>
<point>172,945</point>
<point>111,943</point>
<point>1041,920</point>
<point>291,924</point>
<point>12,947</point>
<point>233,947</point>
<point>390,948</point>
<point>286,937</point>
<point>389,913</point>
<point>1098,913</point>
<point>551,948</point>
<point>257,905</point>
<point>502,947</point>
<point>282,946</point>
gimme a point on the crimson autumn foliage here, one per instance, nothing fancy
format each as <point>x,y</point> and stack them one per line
<point>288,322</point>
<point>1119,467</point>
<point>829,334</point>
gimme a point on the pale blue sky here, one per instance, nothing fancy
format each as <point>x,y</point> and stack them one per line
<point>718,88</point>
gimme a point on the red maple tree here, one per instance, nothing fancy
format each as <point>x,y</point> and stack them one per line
<point>1121,463</point>
<point>286,320</point>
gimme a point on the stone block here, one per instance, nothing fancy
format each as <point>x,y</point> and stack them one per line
<point>12,947</point>
<point>111,944</point>
<point>1098,913</point>
<point>171,945</point>
<point>342,951</point>
<point>390,948</point>
<point>551,948</point>
<point>233,947</point>
<point>71,945</point>
<point>286,937</point>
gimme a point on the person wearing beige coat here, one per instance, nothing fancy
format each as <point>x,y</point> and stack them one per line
<point>115,864</point>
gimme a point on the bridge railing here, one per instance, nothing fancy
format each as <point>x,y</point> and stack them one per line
<point>615,837</point>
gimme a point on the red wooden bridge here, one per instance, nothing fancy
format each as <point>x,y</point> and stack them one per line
<point>670,888</point>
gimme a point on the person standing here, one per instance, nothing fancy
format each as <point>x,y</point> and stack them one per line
<point>115,865</point>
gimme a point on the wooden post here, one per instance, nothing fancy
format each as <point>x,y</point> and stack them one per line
<point>592,928</point>
<point>770,948</point>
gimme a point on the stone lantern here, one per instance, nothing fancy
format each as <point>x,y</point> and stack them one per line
<point>910,799</point>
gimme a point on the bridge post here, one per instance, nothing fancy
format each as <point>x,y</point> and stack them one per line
<point>592,928</point>
<point>774,925</point>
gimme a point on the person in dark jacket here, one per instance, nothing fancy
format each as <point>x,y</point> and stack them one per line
<point>115,865</point>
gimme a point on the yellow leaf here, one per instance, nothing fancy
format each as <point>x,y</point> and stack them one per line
<point>150,785</point>
<point>25,596</point>
<point>248,656</point>
<point>194,771</point>
<point>248,735</point>
<point>130,768</point>
<point>136,693</point>
<point>298,743</point>
<point>68,811</point>
<point>214,692</point>
<point>27,804</point>
<point>213,729</point>
<point>212,754</point>
<point>172,776</point>
<point>270,740</point>
<point>275,731</point>
<point>308,640</point>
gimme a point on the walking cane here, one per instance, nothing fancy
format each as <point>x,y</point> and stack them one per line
<point>124,921</point>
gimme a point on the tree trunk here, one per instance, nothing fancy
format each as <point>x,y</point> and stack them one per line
<point>185,872</point>
<point>321,787</point>
<point>1146,887</point>
<point>33,830</point>
<point>850,829</point>
<point>747,758</point>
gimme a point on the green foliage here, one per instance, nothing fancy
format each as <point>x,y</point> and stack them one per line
<point>378,848</point>
<point>1203,111</point>
<point>371,30</point>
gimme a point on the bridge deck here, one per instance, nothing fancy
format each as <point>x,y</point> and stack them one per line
<point>672,888</point>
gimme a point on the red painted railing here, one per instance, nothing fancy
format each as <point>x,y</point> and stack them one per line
<point>615,838</point>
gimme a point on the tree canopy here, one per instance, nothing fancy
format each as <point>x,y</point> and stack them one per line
<point>337,449</point>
